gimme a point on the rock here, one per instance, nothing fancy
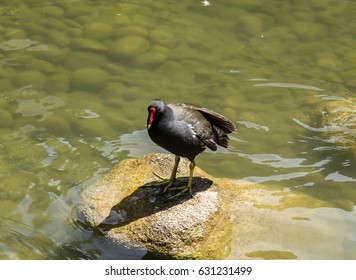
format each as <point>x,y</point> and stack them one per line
<point>16,33</point>
<point>52,11</point>
<point>52,53</point>
<point>339,121</point>
<point>6,118</point>
<point>33,27</point>
<point>88,45</point>
<point>349,79</point>
<point>131,30</point>
<point>79,10</point>
<point>80,59</point>
<point>249,25</point>
<point>59,38</point>
<point>136,215</point>
<point>328,60</point>
<point>58,82</point>
<point>75,31</point>
<point>57,125</point>
<point>89,78</point>
<point>177,70</point>
<point>310,31</point>
<point>98,30</point>
<point>26,78</point>
<point>164,37</point>
<point>5,85</point>
<point>320,5</point>
<point>129,47</point>
<point>248,4</point>
<point>40,65</point>
<point>150,59</point>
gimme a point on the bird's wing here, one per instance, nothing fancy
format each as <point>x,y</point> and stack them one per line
<point>197,123</point>
<point>213,117</point>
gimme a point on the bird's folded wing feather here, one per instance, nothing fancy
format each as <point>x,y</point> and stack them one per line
<point>197,122</point>
<point>213,117</point>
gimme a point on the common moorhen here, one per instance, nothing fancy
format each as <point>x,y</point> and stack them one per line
<point>186,130</point>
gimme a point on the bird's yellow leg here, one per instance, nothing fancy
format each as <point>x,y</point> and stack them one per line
<point>167,182</point>
<point>188,187</point>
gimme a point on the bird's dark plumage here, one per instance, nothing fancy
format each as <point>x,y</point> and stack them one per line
<point>186,130</point>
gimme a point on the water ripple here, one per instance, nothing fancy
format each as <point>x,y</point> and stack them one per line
<point>287,85</point>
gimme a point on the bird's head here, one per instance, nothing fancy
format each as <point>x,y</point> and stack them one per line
<point>155,110</point>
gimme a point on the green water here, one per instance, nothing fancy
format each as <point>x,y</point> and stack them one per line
<point>75,80</point>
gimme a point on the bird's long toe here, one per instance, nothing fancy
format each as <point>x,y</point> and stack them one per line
<point>182,189</point>
<point>168,186</point>
<point>163,183</point>
<point>160,177</point>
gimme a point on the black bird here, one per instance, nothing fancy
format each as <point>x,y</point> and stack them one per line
<point>186,130</point>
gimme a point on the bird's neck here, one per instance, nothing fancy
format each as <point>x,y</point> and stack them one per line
<point>168,114</point>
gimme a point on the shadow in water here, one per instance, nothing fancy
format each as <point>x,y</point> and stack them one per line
<point>148,200</point>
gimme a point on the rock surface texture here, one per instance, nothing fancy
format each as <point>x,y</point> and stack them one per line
<point>127,211</point>
<point>339,120</point>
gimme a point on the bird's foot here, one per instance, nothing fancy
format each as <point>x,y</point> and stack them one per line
<point>160,177</point>
<point>167,183</point>
<point>183,190</point>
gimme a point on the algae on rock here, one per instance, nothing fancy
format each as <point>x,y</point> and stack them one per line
<point>339,120</point>
<point>137,215</point>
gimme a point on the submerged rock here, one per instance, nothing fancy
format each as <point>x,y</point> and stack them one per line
<point>131,213</point>
<point>339,120</point>
<point>89,78</point>
<point>129,47</point>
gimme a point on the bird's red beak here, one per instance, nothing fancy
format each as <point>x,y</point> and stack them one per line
<point>151,116</point>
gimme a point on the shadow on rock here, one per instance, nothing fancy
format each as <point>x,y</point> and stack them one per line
<point>147,200</point>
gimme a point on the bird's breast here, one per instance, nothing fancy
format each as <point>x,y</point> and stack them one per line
<point>179,139</point>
